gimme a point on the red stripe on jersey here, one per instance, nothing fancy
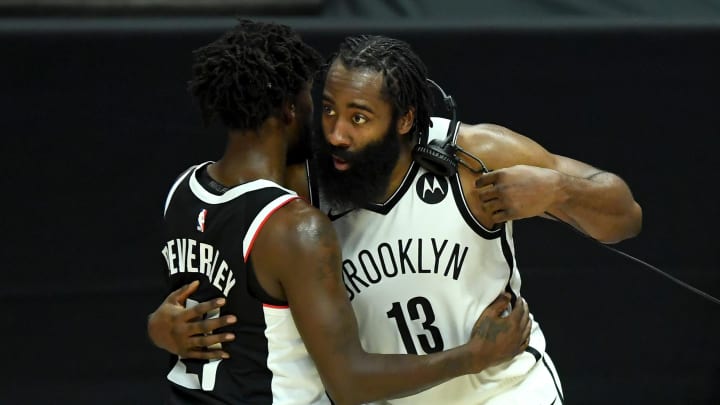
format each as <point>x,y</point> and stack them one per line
<point>252,242</point>
<point>276,306</point>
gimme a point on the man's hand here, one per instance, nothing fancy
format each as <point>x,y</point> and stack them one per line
<point>517,192</point>
<point>183,331</point>
<point>498,336</point>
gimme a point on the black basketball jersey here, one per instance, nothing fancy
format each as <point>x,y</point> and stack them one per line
<point>209,234</point>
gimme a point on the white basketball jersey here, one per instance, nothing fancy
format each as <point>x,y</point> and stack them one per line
<point>419,270</point>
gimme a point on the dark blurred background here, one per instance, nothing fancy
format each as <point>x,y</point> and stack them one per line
<point>96,122</point>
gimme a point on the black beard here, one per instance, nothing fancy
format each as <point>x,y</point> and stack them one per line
<point>367,178</point>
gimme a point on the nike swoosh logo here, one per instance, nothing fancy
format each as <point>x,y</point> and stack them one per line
<point>336,216</point>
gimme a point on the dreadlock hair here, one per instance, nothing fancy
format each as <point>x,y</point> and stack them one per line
<point>244,76</point>
<point>404,74</point>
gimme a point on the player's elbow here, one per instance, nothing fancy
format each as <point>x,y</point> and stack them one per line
<point>636,221</point>
<point>344,393</point>
<point>629,226</point>
<point>346,382</point>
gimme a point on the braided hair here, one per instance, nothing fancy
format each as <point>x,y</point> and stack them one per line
<point>404,74</point>
<point>244,76</point>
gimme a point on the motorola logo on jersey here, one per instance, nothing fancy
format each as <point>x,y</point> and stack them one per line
<point>431,189</point>
<point>201,220</point>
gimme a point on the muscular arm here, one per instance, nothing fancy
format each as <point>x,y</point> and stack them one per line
<point>598,203</point>
<point>299,247</point>
<point>527,181</point>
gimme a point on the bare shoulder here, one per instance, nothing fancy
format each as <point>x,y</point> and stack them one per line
<point>489,136</point>
<point>500,147</point>
<point>299,224</point>
<point>297,236</point>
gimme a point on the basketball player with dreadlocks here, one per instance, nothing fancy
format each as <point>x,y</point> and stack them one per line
<point>243,240</point>
<point>423,253</point>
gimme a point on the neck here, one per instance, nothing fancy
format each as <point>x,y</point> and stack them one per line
<point>252,155</point>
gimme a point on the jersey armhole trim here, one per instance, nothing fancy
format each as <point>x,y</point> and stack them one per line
<point>271,306</point>
<point>175,186</point>
<point>260,220</point>
<point>467,214</point>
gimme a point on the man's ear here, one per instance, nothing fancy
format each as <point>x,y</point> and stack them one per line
<point>405,122</point>
<point>288,112</point>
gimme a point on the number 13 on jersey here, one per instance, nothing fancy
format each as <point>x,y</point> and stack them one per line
<point>419,310</point>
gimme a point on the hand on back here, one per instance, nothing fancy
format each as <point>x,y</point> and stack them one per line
<point>183,331</point>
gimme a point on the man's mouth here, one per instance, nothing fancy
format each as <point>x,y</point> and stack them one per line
<point>340,164</point>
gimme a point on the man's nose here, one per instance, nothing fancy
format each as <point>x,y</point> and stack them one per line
<point>337,135</point>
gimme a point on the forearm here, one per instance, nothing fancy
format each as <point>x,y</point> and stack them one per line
<point>370,377</point>
<point>601,205</point>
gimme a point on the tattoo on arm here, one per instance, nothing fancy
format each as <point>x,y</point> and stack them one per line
<point>328,250</point>
<point>490,329</point>
<point>599,172</point>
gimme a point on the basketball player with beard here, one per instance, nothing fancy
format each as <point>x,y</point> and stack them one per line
<point>423,254</point>
<point>239,238</point>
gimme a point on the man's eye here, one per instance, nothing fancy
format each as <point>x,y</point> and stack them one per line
<point>359,119</point>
